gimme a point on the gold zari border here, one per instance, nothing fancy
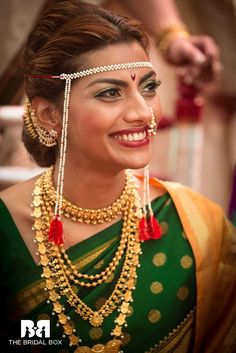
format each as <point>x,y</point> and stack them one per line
<point>178,340</point>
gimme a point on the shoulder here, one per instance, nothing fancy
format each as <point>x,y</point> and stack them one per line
<point>205,224</point>
<point>17,200</point>
<point>198,213</point>
<point>184,197</point>
<point>18,193</point>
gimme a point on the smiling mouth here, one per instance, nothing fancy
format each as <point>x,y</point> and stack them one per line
<point>131,137</point>
<point>134,135</point>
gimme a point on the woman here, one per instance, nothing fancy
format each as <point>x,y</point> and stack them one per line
<point>111,277</point>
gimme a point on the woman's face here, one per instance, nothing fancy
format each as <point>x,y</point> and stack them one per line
<point>109,112</point>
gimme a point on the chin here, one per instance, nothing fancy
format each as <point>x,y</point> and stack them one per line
<point>137,164</point>
<point>134,161</point>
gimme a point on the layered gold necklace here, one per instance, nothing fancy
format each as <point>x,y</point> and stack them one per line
<point>87,215</point>
<point>61,276</point>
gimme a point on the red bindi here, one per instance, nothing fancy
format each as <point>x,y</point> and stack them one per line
<point>133,76</point>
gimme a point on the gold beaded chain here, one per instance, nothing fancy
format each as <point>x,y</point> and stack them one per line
<point>104,275</point>
<point>61,276</point>
<point>86,215</point>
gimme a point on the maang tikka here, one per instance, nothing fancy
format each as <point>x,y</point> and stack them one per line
<point>149,227</point>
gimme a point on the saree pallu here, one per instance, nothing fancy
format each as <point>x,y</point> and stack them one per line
<point>161,316</point>
<point>232,204</point>
<point>212,238</point>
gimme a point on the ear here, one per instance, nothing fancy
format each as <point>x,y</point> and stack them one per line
<point>47,113</point>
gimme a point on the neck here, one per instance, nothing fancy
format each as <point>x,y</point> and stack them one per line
<point>91,188</point>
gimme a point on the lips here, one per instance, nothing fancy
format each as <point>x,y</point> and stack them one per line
<point>135,137</point>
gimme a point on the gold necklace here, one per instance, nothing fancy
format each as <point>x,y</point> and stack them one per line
<point>58,275</point>
<point>86,215</point>
<point>104,275</point>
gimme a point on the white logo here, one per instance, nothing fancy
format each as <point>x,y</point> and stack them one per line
<point>29,330</point>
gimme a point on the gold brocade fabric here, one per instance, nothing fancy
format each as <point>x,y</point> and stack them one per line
<point>178,340</point>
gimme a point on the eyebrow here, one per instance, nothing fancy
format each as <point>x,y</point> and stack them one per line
<point>146,77</point>
<point>121,82</point>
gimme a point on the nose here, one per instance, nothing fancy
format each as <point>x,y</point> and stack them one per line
<point>137,111</point>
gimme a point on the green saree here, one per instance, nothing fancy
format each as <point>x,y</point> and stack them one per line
<point>161,316</point>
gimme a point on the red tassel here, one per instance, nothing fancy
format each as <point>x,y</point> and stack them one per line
<point>144,229</point>
<point>149,229</point>
<point>154,228</point>
<point>55,233</point>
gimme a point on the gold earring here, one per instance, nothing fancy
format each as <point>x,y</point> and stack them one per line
<point>152,131</point>
<point>47,138</point>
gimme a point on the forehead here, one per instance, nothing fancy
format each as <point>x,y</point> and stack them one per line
<point>113,54</point>
<point>117,53</point>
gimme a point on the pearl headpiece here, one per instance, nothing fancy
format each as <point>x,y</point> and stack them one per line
<point>96,70</point>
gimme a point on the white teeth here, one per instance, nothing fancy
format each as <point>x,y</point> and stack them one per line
<point>132,137</point>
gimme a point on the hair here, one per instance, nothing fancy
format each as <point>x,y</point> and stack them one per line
<point>64,35</point>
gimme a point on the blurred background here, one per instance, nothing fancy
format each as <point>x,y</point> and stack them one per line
<point>196,140</point>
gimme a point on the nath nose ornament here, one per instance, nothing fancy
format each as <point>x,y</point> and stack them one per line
<point>152,131</point>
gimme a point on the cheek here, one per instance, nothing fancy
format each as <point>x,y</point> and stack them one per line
<point>157,109</point>
<point>84,126</point>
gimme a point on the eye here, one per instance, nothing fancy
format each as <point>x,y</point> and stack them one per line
<point>151,86</point>
<point>109,93</point>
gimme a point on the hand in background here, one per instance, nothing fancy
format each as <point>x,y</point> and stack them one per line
<point>197,58</point>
